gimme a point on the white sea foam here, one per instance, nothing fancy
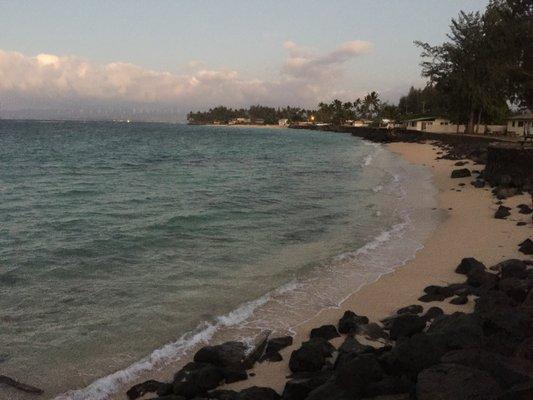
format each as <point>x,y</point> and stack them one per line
<point>108,385</point>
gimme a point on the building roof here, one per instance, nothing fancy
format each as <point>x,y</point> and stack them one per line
<point>424,119</point>
<point>526,116</point>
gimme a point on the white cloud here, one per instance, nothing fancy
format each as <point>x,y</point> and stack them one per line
<point>51,80</point>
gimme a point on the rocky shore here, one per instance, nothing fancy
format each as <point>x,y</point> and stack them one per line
<point>486,354</point>
<point>471,338</point>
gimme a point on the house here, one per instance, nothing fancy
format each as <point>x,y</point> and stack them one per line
<point>431,124</point>
<point>361,122</point>
<point>519,125</point>
<point>259,121</point>
<point>283,122</point>
<point>239,121</point>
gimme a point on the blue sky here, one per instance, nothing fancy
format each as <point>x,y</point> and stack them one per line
<point>240,46</point>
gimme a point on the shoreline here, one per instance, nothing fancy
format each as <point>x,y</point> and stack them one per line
<point>469,211</point>
<point>470,207</point>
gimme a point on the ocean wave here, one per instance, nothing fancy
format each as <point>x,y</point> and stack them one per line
<point>105,387</point>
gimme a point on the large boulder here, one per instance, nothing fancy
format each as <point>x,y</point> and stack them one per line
<point>223,395</point>
<point>150,386</point>
<point>325,331</point>
<point>456,382</point>
<point>468,265</point>
<point>311,356</point>
<point>274,346</point>
<point>406,325</point>
<point>350,349</point>
<point>196,378</point>
<point>329,391</point>
<point>373,331</point>
<point>482,280</point>
<point>458,330</point>
<point>523,391</point>
<point>299,388</point>
<point>412,355</point>
<point>355,375</point>
<point>222,355</point>
<point>350,322</point>
<point>508,371</point>
<point>432,313</point>
<point>229,357</point>
<point>513,268</point>
<point>258,393</point>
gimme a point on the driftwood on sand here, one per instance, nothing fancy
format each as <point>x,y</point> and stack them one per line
<point>5,380</point>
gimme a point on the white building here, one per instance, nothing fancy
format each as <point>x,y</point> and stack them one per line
<point>431,124</point>
<point>520,124</point>
<point>361,123</point>
<point>283,122</point>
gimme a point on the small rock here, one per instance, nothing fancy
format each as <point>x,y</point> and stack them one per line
<point>526,247</point>
<point>524,209</point>
<point>459,300</point>
<point>460,173</point>
<point>412,309</point>
<point>502,212</point>
<point>504,192</point>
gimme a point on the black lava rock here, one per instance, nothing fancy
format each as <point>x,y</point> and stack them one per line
<point>325,331</point>
<point>502,212</point>
<point>350,322</point>
<point>461,173</point>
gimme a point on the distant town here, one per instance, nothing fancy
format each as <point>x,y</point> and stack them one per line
<point>418,110</point>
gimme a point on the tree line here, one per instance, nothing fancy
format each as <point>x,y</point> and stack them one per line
<point>268,115</point>
<point>482,72</point>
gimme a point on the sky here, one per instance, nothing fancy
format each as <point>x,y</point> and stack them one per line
<point>160,58</point>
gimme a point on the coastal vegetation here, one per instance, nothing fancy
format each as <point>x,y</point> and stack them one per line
<point>481,74</point>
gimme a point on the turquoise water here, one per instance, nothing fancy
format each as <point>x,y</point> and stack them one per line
<point>116,239</point>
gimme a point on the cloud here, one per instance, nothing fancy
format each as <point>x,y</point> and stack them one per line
<point>49,81</point>
<point>303,64</point>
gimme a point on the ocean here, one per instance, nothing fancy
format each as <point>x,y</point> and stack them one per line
<point>124,246</point>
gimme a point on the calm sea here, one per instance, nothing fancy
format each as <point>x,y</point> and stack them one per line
<point>122,246</point>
